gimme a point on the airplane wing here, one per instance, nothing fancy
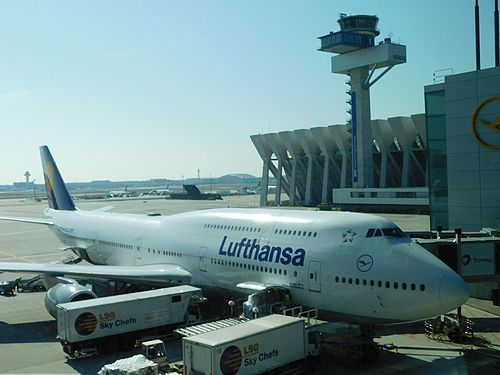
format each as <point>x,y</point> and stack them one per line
<point>156,273</point>
<point>32,220</point>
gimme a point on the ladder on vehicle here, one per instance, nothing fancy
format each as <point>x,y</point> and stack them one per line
<point>208,327</point>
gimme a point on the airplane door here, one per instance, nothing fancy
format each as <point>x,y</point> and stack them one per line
<point>138,251</point>
<point>266,234</point>
<point>203,259</point>
<point>315,276</point>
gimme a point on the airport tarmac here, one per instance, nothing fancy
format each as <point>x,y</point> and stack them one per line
<point>28,333</point>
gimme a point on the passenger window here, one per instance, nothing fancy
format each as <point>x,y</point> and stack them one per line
<point>413,287</point>
<point>403,286</point>
<point>422,287</point>
<point>395,285</point>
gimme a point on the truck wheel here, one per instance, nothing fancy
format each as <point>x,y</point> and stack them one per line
<point>107,347</point>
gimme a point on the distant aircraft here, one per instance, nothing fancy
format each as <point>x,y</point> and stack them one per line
<point>165,191</point>
<point>122,193</point>
<point>353,267</point>
<point>192,192</point>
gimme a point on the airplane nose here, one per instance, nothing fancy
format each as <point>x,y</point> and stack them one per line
<point>453,291</point>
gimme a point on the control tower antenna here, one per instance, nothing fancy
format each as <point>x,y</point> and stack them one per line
<point>359,58</point>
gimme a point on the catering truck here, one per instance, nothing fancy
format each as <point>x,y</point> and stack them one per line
<point>104,325</point>
<point>252,347</point>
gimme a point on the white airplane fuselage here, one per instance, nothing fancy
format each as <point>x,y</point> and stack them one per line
<point>325,259</point>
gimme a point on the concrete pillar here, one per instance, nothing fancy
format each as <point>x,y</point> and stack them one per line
<point>362,140</point>
<point>277,195</point>
<point>383,169</point>
<point>342,138</point>
<point>406,133</point>
<point>383,134</point>
<point>310,160</point>
<point>293,181</point>
<point>265,182</point>
<point>324,189</point>
<point>295,150</point>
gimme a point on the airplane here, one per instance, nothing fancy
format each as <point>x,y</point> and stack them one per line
<point>352,267</point>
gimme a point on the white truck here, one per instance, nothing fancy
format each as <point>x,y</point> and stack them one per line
<point>252,347</point>
<point>106,324</point>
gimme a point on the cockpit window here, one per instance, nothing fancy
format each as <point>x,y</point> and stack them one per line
<point>393,232</point>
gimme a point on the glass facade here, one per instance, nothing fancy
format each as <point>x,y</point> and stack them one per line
<point>435,116</point>
<point>342,38</point>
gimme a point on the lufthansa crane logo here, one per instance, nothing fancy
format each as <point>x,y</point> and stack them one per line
<point>365,263</point>
<point>485,126</point>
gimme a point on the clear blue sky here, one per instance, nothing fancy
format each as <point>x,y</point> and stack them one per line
<point>157,89</point>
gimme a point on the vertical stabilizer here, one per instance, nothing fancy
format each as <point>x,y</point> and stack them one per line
<point>57,193</point>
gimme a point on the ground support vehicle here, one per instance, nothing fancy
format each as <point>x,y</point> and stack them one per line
<point>7,288</point>
<point>35,284</point>
<point>106,324</point>
<point>253,347</point>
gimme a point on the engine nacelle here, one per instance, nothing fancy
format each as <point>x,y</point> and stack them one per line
<point>67,291</point>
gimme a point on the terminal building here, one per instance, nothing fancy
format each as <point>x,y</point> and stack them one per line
<point>445,162</point>
<point>463,133</point>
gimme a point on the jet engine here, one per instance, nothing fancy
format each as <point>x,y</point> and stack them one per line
<point>68,290</point>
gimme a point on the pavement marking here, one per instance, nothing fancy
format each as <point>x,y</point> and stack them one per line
<point>22,232</point>
<point>10,255</point>
<point>32,256</point>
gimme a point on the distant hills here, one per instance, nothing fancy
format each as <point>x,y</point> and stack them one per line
<point>228,179</point>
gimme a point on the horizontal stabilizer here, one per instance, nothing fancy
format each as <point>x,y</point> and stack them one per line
<point>156,273</point>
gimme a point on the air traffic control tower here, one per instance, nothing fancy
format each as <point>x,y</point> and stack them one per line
<point>359,58</point>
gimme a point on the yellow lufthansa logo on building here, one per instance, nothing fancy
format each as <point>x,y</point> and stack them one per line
<point>485,123</point>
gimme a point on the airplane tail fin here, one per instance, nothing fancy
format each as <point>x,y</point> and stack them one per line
<point>57,193</point>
